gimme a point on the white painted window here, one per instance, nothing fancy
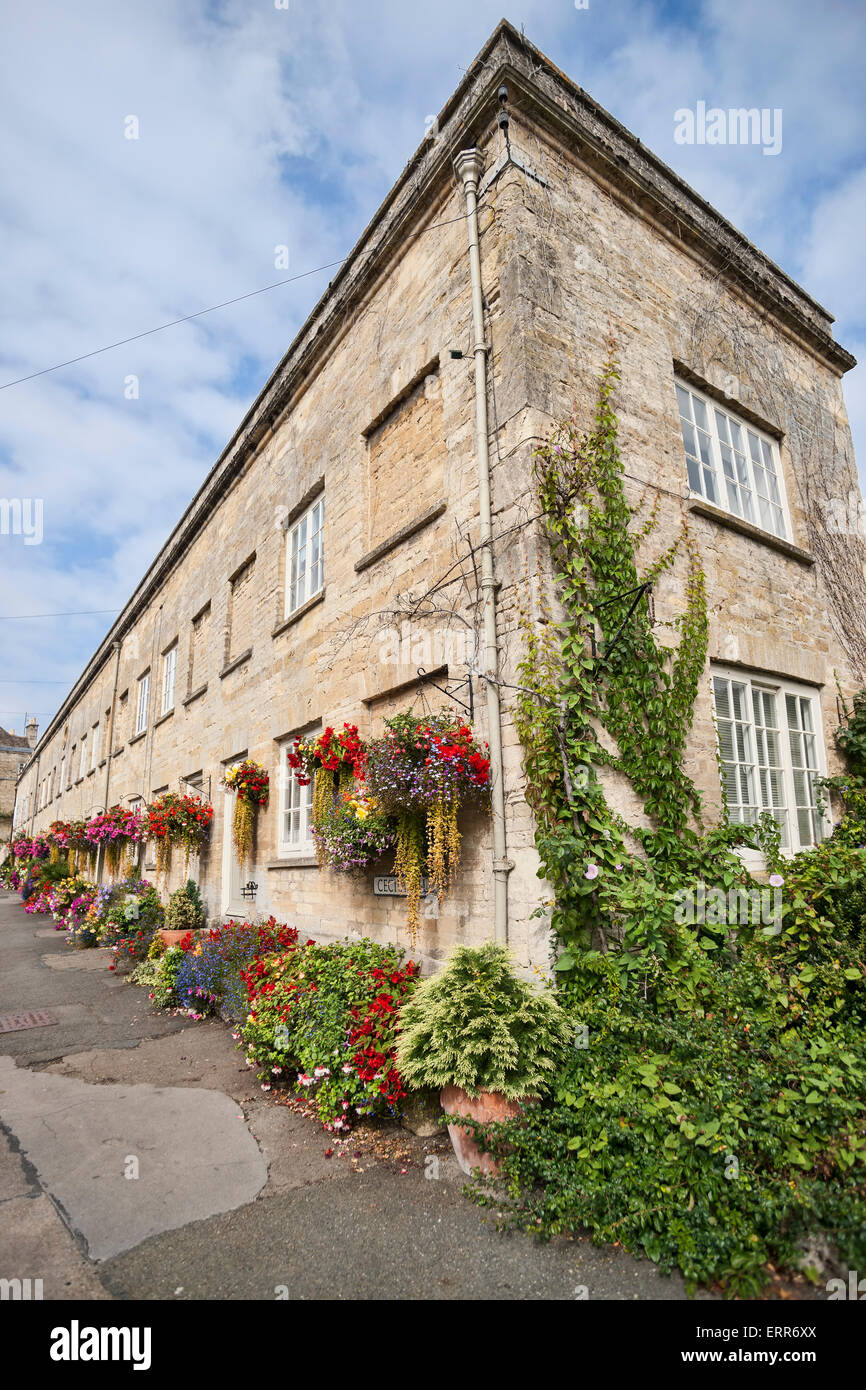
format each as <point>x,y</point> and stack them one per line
<point>294,809</point>
<point>772,753</point>
<point>94,745</point>
<point>169,669</point>
<point>82,766</point>
<point>732,464</point>
<point>305,556</point>
<point>62,772</point>
<point>141,708</point>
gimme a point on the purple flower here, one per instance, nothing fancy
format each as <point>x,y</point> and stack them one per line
<point>591,871</point>
<point>776,880</point>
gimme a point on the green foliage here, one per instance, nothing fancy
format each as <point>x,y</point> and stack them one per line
<point>711,1140</point>
<point>637,691</point>
<point>184,911</point>
<point>158,974</point>
<point>478,1026</point>
<point>851,737</point>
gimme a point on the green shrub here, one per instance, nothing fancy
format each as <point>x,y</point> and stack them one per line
<point>158,974</point>
<point>710,1135</point>
<point>478,1026</point>
<point>184,911</point>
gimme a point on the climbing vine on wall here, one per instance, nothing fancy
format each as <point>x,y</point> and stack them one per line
<point>629,707</point>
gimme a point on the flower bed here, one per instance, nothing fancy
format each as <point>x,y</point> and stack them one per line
<point>210,976</point>
<point>326,1015</point>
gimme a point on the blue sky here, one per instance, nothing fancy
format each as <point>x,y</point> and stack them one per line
<point>262,127</point>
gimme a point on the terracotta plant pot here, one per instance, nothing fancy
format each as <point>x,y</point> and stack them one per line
<point>171,938</point>
<point>487,1106</point>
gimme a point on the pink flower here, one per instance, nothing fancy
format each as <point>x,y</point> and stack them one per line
<point>591,871</point>
<point>776,880</point>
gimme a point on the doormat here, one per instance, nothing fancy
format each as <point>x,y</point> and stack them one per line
<point>13,1023</point>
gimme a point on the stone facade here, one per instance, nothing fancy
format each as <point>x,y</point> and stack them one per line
<point>583,235</point>
<point>14,753</point>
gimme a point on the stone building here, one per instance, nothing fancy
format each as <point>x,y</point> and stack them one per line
<point>333,549</point>
<point>14,755</point>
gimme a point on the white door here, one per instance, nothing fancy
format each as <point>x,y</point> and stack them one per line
<point>233,904</point>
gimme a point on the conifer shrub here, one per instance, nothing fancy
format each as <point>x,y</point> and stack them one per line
<point>478,1026</point>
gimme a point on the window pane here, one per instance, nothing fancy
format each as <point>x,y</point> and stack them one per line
<point>684,401</point>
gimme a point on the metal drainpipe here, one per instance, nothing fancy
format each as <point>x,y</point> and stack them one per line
<point>109,738</point>
<point>468,166</point>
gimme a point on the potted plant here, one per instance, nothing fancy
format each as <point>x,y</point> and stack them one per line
<point>485,1039</point>
<point>184,913</point>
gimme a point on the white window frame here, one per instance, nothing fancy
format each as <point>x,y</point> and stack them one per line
<point>721,463</point>
<point>143,700</point>
<point>296,800</point>
<point>305,556</point>
<point>758,766</point>
<point>169,678</point>
<point>62,775</point>
<point>82,761</point>
<point>94,745</point>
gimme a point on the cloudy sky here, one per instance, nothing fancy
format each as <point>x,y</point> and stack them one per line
<point>262,126</point>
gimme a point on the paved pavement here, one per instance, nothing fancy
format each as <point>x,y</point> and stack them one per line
<point>140,1160</point>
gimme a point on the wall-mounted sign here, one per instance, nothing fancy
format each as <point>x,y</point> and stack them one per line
<point>386,886</point>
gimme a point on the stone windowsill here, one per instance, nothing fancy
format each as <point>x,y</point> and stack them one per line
<point>103,762</point>
<point>755,533</point>
<point>238,661</point>
<point>78,781</point>
<point>117,752</point>
<point>136,738</point>
<point>298,862</point>
<point>162,718</point>
<point>299,613</point>
<point>196,695</point>
<point>91,772</point>
<point>404,534</point>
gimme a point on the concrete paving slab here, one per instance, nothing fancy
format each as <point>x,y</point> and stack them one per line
<point>188,1150</point>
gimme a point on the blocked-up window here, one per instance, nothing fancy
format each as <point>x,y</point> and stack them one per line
<point>241,610</point>
<point>121,731</point>
<point>406,458</point>
<point>198,650</point>
<point>771,754</point>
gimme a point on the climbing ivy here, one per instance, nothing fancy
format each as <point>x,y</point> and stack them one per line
<point>628,705</point>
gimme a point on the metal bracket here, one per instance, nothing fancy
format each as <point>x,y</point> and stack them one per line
<point>197,787</point>
<point>249,890</point>
<point>638,594</point>
<point>449,692</point>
